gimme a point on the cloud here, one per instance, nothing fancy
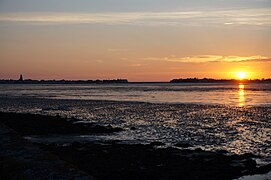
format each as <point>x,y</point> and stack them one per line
<point>210,58</point>
<point>136,65</point>
<point>258,17</point>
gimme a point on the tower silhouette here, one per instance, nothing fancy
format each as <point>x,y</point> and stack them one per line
<point>21,78</point>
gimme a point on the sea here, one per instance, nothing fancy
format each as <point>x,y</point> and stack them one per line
<point>235,117</point>
<point>236,94</point>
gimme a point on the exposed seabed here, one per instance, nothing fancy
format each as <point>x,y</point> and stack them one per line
<point>107,159</point>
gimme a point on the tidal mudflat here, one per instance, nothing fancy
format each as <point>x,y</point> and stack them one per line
<point>109,159</point>
<point>150,140</point>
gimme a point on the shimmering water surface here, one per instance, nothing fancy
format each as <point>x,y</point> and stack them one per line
<point>233,117</point>
<point>204,93</point>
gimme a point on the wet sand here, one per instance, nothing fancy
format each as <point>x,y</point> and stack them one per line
<point>238,130</point>
<point>109,159</point>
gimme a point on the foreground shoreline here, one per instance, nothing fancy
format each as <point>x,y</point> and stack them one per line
<point>114,160</point>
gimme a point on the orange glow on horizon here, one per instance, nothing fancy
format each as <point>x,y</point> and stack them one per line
<point>241,75</point>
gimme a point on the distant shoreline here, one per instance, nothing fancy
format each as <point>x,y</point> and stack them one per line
<point>30,81</point>
<point>125,81</point>
<point>210,80</point>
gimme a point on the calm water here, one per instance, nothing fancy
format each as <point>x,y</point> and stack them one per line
<point>226,94</point>
<point>233,117</point>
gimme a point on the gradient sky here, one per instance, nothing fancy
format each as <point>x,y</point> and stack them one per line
<point>141,40</point>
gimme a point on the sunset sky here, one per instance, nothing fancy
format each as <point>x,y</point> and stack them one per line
<point>141,40</point>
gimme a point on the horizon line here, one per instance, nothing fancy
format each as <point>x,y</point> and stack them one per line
<point>124,79</point>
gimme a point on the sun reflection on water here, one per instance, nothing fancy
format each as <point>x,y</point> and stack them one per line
<point>241,95</point>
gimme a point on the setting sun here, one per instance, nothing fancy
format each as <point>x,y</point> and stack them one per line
<point>241,75</point>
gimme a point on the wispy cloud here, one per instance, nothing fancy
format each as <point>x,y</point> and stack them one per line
<point>210,58</point>
<point>259,17</point>
<point>137,65</point>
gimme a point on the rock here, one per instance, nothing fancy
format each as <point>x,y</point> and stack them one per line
<point>250,164</point>
<point>133,128</point>
<point>30,124</point>
<point>263,169</point>
<point>157,144</point>
<point>222,151</point>
<point>137,161</point>
<point>183,145</point>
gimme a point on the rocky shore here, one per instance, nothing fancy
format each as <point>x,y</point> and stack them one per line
<point>34,124</point>
<point>110,160</point>
<point>106,159</point>
<point>20,159</point>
